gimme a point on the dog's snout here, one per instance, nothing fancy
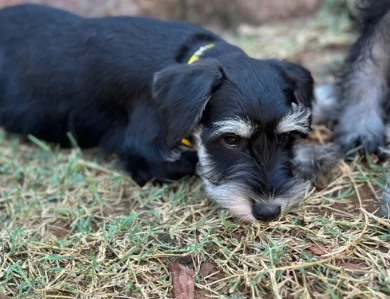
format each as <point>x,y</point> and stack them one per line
<point>266,212</point>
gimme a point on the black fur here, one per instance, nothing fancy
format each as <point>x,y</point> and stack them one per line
<point>123,84</point>
<point>372,11</point>
<point>171,89</point>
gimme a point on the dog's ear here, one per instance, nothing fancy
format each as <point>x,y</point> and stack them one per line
<point>181,93</point>
<point>301,80</point>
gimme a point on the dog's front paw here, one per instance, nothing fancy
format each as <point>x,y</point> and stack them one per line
<point>365,141</point>
<point>313,161</point>
<point>140,175</point>
<point>363,130</point>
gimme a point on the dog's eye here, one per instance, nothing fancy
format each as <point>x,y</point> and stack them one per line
<point>231,140</point>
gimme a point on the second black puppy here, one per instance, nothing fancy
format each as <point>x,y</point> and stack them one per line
<point>359,103</point>
<point>164,96</point>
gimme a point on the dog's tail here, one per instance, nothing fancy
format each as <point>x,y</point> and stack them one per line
<point>369,12</point>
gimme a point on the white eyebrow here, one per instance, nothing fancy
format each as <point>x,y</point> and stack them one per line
<point>241,127</point>
<point>296,120</point>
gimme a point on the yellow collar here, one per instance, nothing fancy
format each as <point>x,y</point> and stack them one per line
<point>195,57</point>
<point>186,142</point>
<point>199,53</point>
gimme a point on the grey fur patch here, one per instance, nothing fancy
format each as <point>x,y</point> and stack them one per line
<point>232,197</point>
<point>364,89</point>
<point>326,105</point>
<point>205,163</point>
<point>312,161</point>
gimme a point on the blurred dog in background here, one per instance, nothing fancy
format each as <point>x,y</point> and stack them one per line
<point>358,105</point>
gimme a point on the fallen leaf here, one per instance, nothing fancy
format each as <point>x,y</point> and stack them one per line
<point>183,281</point>
<point>60,232</point>
<point>353,266</point>
<point>59,229</point>
<point>206,269</point>
<point>317,250</point>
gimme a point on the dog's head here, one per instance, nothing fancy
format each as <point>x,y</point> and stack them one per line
<point>245,116</point>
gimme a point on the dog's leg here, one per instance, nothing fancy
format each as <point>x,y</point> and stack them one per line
<point>364,88</point>
<point>143,150</point>
<point>143,171</point>
<point>326,105</point>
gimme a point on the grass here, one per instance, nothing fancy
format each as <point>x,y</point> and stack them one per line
<point>72,226</point>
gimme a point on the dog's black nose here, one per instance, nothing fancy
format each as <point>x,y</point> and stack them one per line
<point>266,212</point>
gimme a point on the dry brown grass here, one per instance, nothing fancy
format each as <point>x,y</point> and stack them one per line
<point>73,227</point>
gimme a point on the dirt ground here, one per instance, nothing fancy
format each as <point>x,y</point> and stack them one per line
<point>73,226</point>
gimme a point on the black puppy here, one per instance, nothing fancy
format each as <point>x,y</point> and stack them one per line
<point>164,96</point>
